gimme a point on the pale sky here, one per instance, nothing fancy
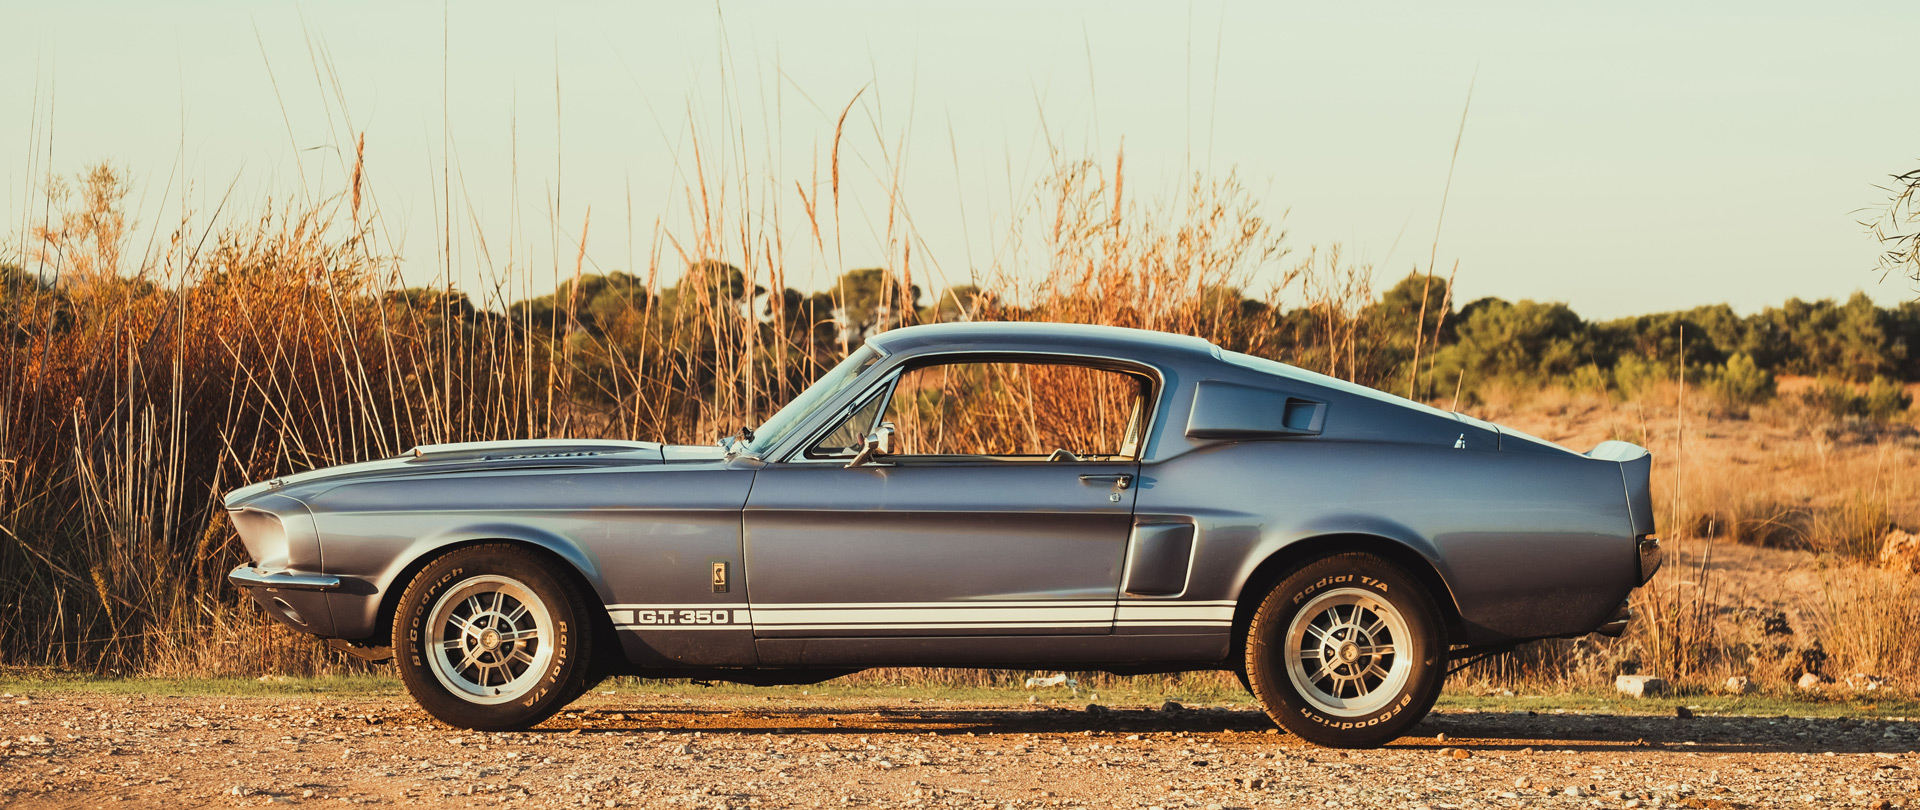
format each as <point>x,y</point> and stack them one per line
<point>1621,157</point>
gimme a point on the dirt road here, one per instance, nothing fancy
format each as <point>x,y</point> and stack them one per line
<point>745,751</point>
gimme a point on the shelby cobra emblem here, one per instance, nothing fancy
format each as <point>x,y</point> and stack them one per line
<point>1009,495</point>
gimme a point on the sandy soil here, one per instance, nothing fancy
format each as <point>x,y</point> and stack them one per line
<point>742,751</point>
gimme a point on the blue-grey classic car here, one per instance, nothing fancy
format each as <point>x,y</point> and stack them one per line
<point>1006,495</point>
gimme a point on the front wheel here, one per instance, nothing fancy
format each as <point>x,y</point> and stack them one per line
<point>1348,652</point>
<point>492,638</point>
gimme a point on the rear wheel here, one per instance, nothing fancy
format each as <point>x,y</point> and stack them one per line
<point>492,638</point>
<point>1348,651</point>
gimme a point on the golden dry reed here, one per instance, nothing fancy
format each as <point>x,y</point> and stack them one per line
<point>135,394</point>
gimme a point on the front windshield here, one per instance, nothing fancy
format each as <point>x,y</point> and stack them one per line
<point>827,387</point>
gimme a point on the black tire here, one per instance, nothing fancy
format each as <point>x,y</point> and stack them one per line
<point>489,613</point>
<point>1337,614</point>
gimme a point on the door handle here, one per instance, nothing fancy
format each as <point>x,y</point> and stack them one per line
<point>1120,480</point>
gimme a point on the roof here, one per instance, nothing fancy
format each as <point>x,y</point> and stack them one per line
<point>1016,335</point>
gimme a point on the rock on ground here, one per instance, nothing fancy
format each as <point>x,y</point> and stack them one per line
<point>1640,685</point>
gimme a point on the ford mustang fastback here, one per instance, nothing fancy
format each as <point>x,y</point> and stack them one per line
<point>1005,495</point>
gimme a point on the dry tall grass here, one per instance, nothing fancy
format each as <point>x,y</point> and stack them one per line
<point>134,395</point>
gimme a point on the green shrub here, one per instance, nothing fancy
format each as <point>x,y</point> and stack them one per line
<point>1634,375</point>
<point>1884,399</point>
<point>1881,400</point>
<point>1739,385</point>
<point>1830,397</point>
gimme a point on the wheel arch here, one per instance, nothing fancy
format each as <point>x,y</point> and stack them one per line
<point>1292,556</point>
<point>564,557</point>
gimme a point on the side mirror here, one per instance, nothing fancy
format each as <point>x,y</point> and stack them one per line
<point>878,443</point>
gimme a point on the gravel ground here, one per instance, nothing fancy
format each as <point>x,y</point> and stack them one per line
<point>747,751</point>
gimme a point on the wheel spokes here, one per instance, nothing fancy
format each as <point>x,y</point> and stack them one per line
<point>1375,671</point>
<point>1326,670</point>
<point>473,657</point>
<point>488,640</point>
<point>1343,651</point>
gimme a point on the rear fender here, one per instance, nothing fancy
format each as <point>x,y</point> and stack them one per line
<point>1276,557</point>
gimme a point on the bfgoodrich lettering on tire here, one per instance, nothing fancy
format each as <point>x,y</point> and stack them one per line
<point>492,638</point>
<point>1347,651</point>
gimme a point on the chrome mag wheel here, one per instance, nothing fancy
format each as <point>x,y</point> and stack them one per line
<point>1345,652</point>
<point>489,639</point>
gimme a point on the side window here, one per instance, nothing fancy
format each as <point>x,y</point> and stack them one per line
<point>1017,412</point>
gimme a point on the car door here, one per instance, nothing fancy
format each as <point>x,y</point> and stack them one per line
<point>937,542</point>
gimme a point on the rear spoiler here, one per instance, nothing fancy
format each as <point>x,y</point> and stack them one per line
<point>1636,473</point>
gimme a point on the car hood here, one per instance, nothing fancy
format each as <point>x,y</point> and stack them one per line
<point>441,459</point>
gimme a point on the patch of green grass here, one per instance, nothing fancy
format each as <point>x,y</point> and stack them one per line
<point>1123,693</point>
<point>43,682</point>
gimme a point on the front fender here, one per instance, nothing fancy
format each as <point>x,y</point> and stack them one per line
<point>374,574</point>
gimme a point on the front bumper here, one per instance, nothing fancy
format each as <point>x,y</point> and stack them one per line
<point>297,600</point>
<point>247,576</point>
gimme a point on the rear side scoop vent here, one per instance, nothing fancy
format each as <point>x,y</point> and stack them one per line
<point>1223,410</point>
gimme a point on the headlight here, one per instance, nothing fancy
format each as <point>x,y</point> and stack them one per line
<point>264,536</point>
<point>279,534</point>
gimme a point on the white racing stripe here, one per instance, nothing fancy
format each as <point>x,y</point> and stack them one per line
<point>706,606</point>
<point>1202,612</point>
<point>783,616</point>
<point>1026,614</point>
<point>680,617</point>
<point>1187,623</point>
<point>1043,603</point>
<point>958,626</point>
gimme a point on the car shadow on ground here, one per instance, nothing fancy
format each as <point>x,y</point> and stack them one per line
<point>1478,730</point>
<point>904,720</point>
<point>1702,734</point>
